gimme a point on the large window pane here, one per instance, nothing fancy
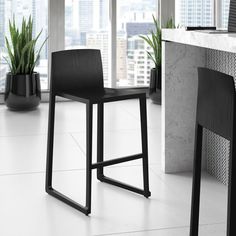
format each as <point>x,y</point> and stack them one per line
<point>86,26</point>
<point>225,13</point>
<point>24,8</point>
<point>134,18</point>
<point>195,12</point>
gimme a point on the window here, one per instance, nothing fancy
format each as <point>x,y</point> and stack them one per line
<point>134,18</point>
<point>195,12</point>
<point>19,8</point>
<point>224,13</point>
<point>86,26</point>
<point>202,12</point>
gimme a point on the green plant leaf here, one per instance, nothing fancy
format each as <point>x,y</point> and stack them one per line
<point>38,55</point>
<point>21,47</point>
<point>154,40</point>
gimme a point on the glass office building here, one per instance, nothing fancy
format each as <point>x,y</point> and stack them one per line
<point>201,12</point>
<point>24,8</point>
<point>195,12</point>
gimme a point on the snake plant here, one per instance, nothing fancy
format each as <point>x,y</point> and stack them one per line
<point>22,55</point>
<point>154,40</point>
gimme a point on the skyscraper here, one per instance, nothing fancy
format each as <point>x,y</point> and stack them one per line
<point>2,22</point>
<point>138,62</point>
<point>24,8</point>
<point>103,14</point>
<point>224,13</point>
<point>99,40</point>
<point>85,15</point>
<point>195,12</point>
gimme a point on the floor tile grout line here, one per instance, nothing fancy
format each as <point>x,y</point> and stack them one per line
<point>69,170</point>
<point>37,172</point>
<point>37,134</point>
<point>22,135</point>
<point>130,113</point>
<point>134,116</point>
<point>71,132</point>
<point>158,229</point>
<point>77,144</point>
<point>156,174</point>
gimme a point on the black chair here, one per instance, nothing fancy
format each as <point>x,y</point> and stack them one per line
<point>78,75</point>
<point>215,112</point>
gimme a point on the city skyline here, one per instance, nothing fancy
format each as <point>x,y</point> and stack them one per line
<point>87,25</point>
<point>94,33</point>
<point>19,9</point>
<point>200,13</point>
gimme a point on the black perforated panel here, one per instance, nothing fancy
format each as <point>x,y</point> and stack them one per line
<point>232,16</point>
<point>215,148</point>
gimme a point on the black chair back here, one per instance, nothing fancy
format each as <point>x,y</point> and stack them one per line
<point>216,101</point>
<point>78,70</point>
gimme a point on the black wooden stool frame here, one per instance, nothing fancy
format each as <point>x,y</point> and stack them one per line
<point>100,153</point>
<point>215,111</point>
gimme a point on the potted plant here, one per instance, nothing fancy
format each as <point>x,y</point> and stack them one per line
<point>154,41</point>
<point>22,90</point>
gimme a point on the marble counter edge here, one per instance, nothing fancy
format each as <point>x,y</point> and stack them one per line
<point>222,42</point>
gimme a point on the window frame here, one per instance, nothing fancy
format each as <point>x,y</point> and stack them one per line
<point>56,40</point>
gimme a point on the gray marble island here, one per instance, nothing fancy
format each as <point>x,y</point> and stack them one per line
<point>182,53</point>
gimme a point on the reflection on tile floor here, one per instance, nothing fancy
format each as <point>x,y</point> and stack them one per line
<point>26,210</point>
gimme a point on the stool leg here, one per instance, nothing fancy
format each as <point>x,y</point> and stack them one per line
<point>100,139</point>
<point>143,119</point>
<point>196,187</point>
<point>49,164</point>
<point>231,214</point>
<point>49,189</point>
<point>89,133</point>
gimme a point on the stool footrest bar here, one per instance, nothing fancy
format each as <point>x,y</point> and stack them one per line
<point>124,186</point>
<point>117,161</point>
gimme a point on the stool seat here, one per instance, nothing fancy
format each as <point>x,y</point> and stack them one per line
<point>105,95</point>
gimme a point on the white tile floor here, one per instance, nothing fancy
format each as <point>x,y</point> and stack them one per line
<point>26,210</point>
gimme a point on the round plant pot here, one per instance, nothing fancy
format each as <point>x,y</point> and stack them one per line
<point>22,92</point>
<point>155,85</point>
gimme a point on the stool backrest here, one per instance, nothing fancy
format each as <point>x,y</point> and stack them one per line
<point>216,102</point>
<point>76,70</point>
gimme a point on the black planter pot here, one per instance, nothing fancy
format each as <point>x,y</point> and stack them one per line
<point>22,92</point>
<point>155,85</point>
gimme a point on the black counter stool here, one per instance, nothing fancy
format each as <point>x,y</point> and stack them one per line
<point>78,75</point>
<point>215,112</point>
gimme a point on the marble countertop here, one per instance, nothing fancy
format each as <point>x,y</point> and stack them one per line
<point>218,41</point>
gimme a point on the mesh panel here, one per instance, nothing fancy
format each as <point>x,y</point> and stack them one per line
<point>216,148</point>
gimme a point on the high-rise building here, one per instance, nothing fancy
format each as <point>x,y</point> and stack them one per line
<point>99,40</point>
<point>24,8</point>
<point>3,71</point>
<point>121,62</point>
<point>224,13</point>
<point>2,22</point>
<point>139,64</point>
<point>7,15</point>
<point>195,12</point>
<point>92,16</point>
<point>86,26</point>
<point>86,18</point>
<point>103,14</point>
<point>133,64</point>
<point>138,28</point>
<point>40,23</point>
